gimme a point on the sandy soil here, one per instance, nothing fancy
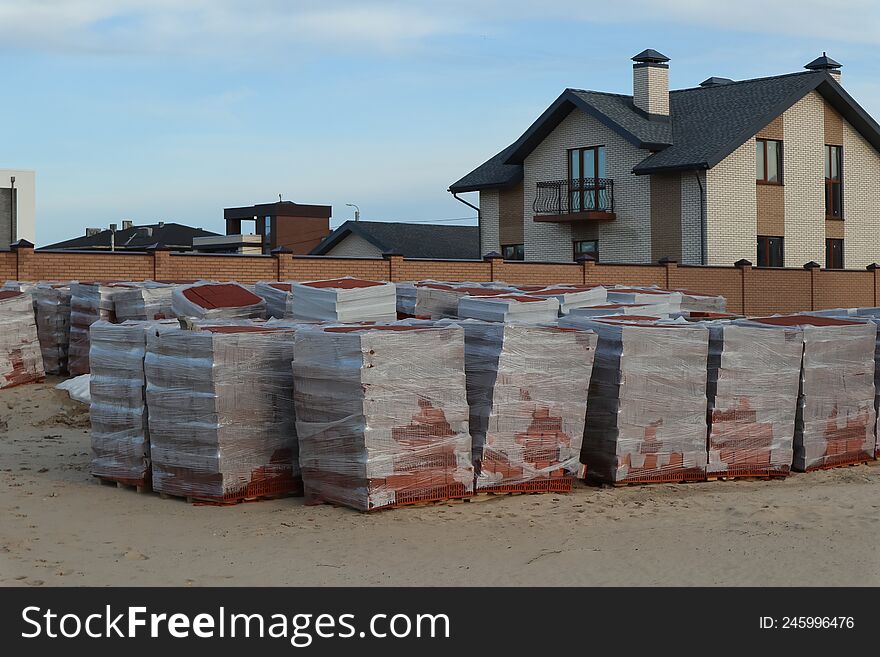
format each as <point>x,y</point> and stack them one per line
<point>58,526</point>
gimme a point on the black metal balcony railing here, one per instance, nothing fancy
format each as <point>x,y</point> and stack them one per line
<point>575,195</point>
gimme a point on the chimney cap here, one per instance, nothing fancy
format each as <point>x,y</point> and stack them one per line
<point>650,56</point>
<point>823,63</point>
<point>715,81</point>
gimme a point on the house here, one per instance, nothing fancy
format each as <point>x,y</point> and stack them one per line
<point>297,227</point>
<point>370,239</point>
<point>170,235</point>
<point>779,171</point>
<point>17,207</point>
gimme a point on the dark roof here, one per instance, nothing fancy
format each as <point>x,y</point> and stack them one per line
<point>823,62</point>
<point>169,234</point>
<point>410,240</point>
<point>278,209</point>
<point>706,123</point>
<point>709,82</point>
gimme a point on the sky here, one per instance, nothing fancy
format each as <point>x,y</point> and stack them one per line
<point>171,110</point>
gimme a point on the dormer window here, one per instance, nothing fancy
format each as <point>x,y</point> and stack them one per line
<point>768,161</point>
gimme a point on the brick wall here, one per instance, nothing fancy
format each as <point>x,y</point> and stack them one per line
<point>748,291</point>
<point>510,215</point>
<point>861,214</point>
<point>731,208</point>
<point>489,221</point>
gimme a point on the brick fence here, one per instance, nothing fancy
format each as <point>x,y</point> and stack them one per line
<point>748,290</point>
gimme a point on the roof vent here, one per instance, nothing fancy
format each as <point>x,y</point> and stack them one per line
<point>127,223</point>
<point>825,63</point>
<point>145,231</point>
<point>650,56</point>
<point>93,231</point>
<point>715,81</point>
<point>161,224</point>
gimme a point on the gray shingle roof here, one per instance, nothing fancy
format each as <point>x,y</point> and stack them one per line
<point>169,234</point>
<point>410,240</point>
<point>707,123</point>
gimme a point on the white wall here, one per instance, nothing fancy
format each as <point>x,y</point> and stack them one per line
<point>26,204</point>
<point>354,246</point>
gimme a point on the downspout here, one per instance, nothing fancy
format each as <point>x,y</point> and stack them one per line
<point>479,222</point>
<point>703,236</point>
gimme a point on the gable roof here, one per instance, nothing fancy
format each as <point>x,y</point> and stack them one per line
<point>706,125</point>
<point>167,234</point>
<point>410,240</point>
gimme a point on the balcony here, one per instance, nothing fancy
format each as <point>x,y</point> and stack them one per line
<point>575,200</point>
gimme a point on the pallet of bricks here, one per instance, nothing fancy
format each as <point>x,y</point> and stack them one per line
<point>209,300</point>
<point>118,410</point>
<point>52,313</point>
<point>646,415</point>
<point>20,358</point>
<point>835,420</point>
<point>278,296</point>
<point>89,302</point>
<point>147,300</point>
<point>527,390</point>
<point>344,300</point>
<point>382,415</point>
<point>753,380</point>
<point>221,415</point>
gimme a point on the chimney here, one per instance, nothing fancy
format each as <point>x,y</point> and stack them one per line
<point>651,82</point>
<point>825,63</point>
<point>126,224</point>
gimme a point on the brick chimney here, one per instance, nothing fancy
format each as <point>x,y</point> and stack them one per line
<point>651,82</point>
<point>825,63</point>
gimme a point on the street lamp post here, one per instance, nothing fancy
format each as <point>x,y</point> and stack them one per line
<point>357,211</point>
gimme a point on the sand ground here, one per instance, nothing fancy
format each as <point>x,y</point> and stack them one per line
<point>58,526</point>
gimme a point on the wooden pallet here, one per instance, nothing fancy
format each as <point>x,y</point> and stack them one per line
<point>765,475</point>
<point>199,501</point>
<point>140,487</point>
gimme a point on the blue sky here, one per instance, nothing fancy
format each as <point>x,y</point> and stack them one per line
<point>172,110</point>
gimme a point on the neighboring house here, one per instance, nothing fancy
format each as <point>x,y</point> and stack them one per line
<point>176,237</point>
<point>17,207</point>
<point>370,239</point>
<point>780,171</point>
<point>297,227</point>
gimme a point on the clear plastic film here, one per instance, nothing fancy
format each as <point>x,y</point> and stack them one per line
<point>21,360</point>
<point>148,300</point>
<point>646,416</point>
<point>754,375</point>
<point>345,300</point>
<point>214,300</point>
<point>118,408</point>
<point>52,312</point>
<point>514,308</point>
<point>527,390</point>
<point>89,302</point>
<point>835,419</point>
<point>668,300</point>
<point>573,297</point>
<point>221,415</point>
<point>278,296</point>
<point>382,415</point>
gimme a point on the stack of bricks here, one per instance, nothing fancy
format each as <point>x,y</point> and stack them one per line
<point>118,408</point>
<point>217,301</point>
<point>52,311</point>
<point>278,296</point>
<point>835,419</point>
<point>146,301</point>
<point>20,358</point>
<point>612,309</point>
<point>436,300</point>
<point>517,308</point>
<point>89,302</point>
<point>572,297</point>
<point>527,391</point>
<point>382,415</point>
<point>754,375</point>
<point>666,301</point>
<point>221,415</point>
<point>701,302</point>
<point>646,417</point>
<point>345,300</point>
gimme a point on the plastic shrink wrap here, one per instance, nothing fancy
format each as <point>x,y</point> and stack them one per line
<point>52,310</point>
<point>527,390</point>
<point>571,297</point>
<point>209,300</point>
<point>146,300</point>
<point>656,311</point>
<point>835,419</point>
<point>89,302</point>
<point>754,375</point>
<point>646,416</point>
<point>669,300</point>
<point>345,300</point>
<point>382,415</point>
<point>20,358</point>
<point>278,296</point>
<point>221,415</point>
<point>436,300</point>
<point>406,299</point>
<point>118,408</point>
<point>701,302</point>
<point>517,308</point>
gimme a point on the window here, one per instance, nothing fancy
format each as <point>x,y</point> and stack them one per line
<point>770,251</point>
<point>834,182</point>
<point>833,254</point>
<point>513,252</point>
<point>768,161</point>
<point>586,247</point>
<point>586,179</point>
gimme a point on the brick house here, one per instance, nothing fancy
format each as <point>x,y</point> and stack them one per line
<point>779,171</point>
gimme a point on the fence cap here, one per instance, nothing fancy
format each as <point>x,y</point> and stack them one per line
<point>666,260</point>
<point>21,244</point>
<point>280,249</point>
<point>812,264</point>
<point>493,255</point>
<point>158,247</point>
<point>873,266</point>
<point>391,254</point>
<point>742,263</point>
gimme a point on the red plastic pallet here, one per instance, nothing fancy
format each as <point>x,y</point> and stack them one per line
<point>554,485</point>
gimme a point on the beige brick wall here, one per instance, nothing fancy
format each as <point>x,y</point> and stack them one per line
<point>651,88</point>
<point>489,221</point>
<point>804,179</point>
<point>861,200</point>
<point>627,238</point>
<point>731,210</point>
<point>355,246</point>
